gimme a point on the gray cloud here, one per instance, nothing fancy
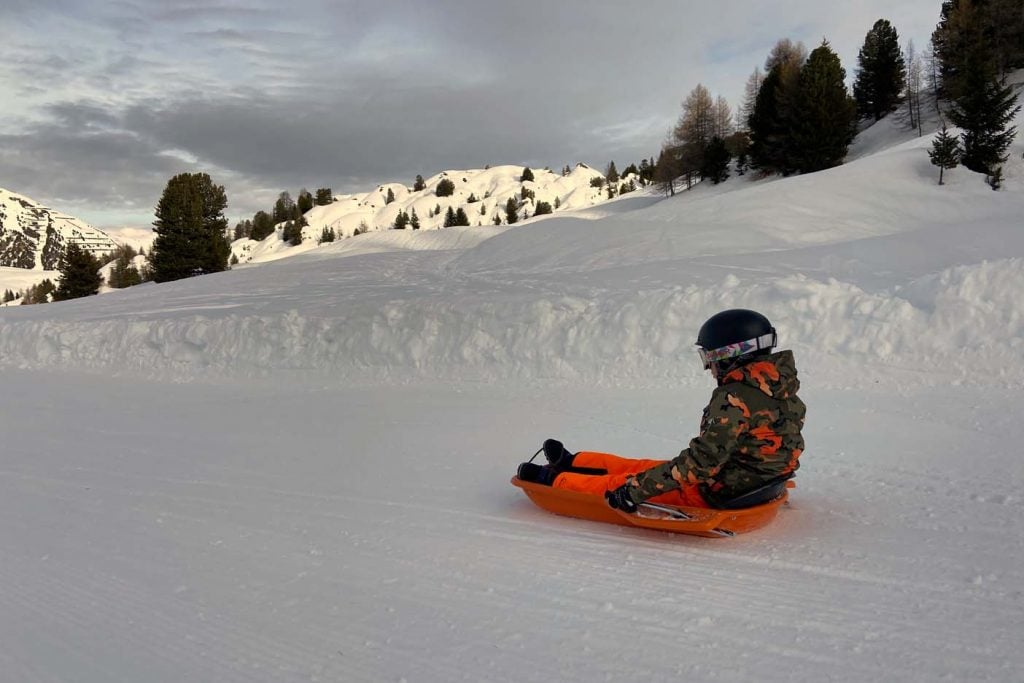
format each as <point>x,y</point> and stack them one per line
<point>113,98</point>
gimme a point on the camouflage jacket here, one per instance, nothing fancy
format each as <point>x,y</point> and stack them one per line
<point>749,435</point>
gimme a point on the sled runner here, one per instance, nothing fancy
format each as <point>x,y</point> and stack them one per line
<point>713,523</point>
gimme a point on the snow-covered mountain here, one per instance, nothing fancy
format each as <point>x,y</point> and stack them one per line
<point>481,193</point>
<point>34,237</point>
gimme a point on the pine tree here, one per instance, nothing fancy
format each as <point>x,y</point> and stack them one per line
<point>297,235</point>
<point>305,202</point>
<point>666,170</point>
<point>324,196</point>
<point>511,211</point>
<point>414,220</point>
<point>449,217</point>
<point>716,161</point>
<point>284,207</point>
<point>611,174</point>
<point>646,171</point>
<point>287,230</point>
<point>967,24</point>
<point>124,273</point>
<point>460,217</point>
<point>39,294</point>
<point>262,226</point>
<point>327,235</point>
<point>527,175</point>
<point>825,126</point>
<point>774,112</point>
<point>79,274</point>
<point>945,151</point>
<point>190,226</point>
<point>881,76</point>
<point>984,110</point>
<point>1006,19</point>
<point>419,185</point>
<point>390,197</point>
<point>401,221</point>
<point>767,128</point>
<point>542,208</point>
<point>445,188</point>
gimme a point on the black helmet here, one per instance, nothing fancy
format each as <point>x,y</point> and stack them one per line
<point>734,333</point>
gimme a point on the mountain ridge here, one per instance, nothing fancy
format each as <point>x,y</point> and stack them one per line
<point>34,237</point>
<point>481,193</point>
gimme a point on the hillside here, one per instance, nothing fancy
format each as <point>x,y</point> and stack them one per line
<point>33,236</point>
<point>481,193</point>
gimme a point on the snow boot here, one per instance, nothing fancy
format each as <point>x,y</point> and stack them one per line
<point>558,457</point>
<point>538,474</point>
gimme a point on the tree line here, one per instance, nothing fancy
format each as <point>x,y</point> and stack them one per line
<point>80,276</point>
<point>797,115</point>
<point>286,210</point>
<point>976,43</point>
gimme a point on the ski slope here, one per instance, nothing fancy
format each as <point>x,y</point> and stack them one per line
<point>299,470</point>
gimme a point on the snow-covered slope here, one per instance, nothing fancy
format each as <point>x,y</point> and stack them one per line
<point>33,236</point>
<point>321,490</point>
<point>836,258</point>
<point>481,193</point>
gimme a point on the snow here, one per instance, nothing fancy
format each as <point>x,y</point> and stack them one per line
<point>481,193</point>
<point>33,233</point>
<point>19,279</point>
<point>298,469</point>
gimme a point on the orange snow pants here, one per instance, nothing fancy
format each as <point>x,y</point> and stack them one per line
<point>620,469</point>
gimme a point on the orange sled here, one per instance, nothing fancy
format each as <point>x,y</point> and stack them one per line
<point>680,520</point>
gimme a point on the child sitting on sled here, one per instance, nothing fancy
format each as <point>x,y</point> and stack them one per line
<point>749,434</point>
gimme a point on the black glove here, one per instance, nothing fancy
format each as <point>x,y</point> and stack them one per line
<point>620,499</point>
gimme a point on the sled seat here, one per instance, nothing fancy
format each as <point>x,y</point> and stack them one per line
<point>759,496</point>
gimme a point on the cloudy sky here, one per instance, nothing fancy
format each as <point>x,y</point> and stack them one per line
<point>102,102</point>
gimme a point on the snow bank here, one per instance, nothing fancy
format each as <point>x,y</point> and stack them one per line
<point>956,321</point>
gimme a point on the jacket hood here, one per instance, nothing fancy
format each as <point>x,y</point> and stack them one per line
<point>774,375</point>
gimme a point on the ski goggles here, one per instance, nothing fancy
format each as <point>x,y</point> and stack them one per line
<point>709,356</point>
